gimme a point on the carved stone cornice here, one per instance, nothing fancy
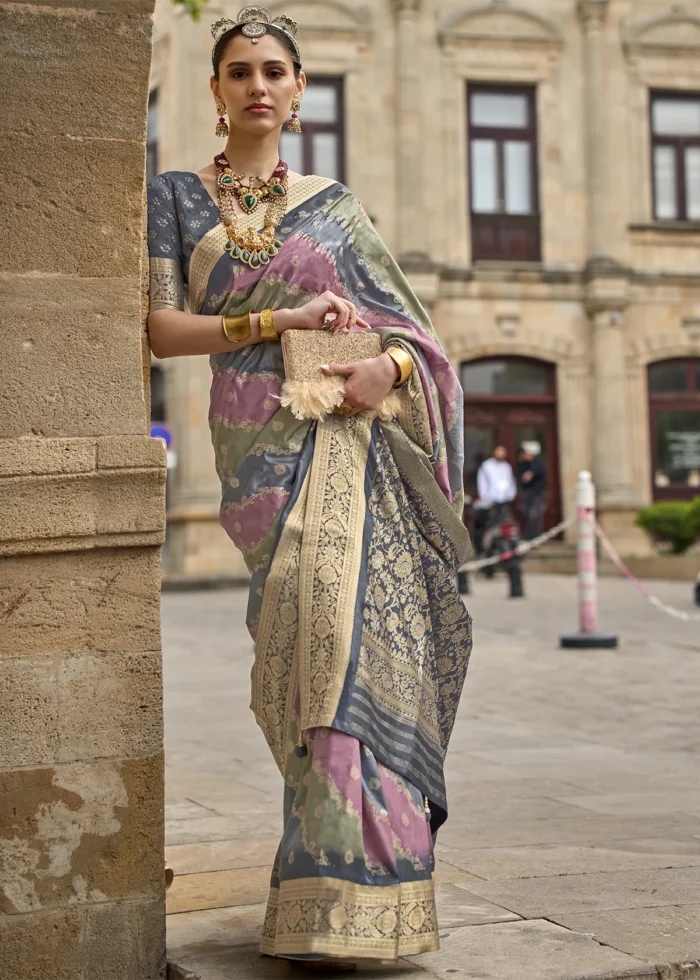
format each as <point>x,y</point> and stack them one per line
<point>326,19</point>
<point>606,286</point>
<point>691,325</point>
<point>499,23</point>
<point>671,34</point>
<point>592,13</point>
<point>402,7</point>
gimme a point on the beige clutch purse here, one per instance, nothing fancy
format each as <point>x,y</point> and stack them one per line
<point>307,392</point>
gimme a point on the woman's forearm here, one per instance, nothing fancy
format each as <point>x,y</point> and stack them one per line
<point>173,333</point>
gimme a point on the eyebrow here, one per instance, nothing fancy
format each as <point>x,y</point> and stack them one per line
<point>246,64</point>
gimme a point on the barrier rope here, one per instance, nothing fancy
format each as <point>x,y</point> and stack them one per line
<point>686,617</point>
<point>522,548</point>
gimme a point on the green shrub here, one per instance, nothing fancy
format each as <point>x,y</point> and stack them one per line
<point>675,522</point>
<point>694,516</point>
<point>193,7</point>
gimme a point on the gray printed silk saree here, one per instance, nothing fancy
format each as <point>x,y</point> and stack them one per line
<point>352,532</point>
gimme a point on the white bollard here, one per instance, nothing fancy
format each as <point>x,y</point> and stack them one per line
<point>586,554</point>
<point>588,636</point>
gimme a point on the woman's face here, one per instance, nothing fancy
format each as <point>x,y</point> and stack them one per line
<point>257,84</point>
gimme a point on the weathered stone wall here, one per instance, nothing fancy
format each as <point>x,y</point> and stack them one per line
<point>81,504</point>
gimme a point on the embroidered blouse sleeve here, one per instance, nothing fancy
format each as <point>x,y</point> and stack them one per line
<point>166,290</point>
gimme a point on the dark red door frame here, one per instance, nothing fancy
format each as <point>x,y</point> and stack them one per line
<point>505,413</point>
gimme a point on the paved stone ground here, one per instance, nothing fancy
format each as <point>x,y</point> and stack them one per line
<point>573,845</point>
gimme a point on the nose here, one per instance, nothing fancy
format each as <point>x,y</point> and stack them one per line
<point>257,84</point>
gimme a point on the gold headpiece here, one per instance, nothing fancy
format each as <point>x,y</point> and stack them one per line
<point>255,21</point>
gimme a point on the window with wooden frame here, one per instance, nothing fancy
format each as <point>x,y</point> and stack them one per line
<point>152,135</point>
<point>675,155</point>
<point>503,191</point>
<point>674,417</point>
<point>320,147</point>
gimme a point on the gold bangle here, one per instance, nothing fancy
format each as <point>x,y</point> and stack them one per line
<point>237,328</point>
<point>268,334</point>
<point>404,361</point>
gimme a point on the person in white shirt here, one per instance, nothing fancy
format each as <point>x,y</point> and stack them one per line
<point>495,480</point>
<point>496,485</point>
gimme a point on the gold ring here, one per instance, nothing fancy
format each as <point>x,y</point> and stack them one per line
<point>345,408</point>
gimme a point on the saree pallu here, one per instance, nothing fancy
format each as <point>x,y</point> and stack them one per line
<point>361,635</point>
<point>352,531</point>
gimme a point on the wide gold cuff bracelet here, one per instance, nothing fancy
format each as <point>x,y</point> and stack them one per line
<point>237,328</point>
<point>404,361</point>
<point>268,334</point>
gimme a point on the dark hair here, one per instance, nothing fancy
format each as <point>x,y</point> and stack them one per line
<point>276,32</point>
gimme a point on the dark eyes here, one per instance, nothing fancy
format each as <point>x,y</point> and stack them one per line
<point>273,73</point>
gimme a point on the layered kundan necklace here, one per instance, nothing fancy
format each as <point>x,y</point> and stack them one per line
<point>245,243</point>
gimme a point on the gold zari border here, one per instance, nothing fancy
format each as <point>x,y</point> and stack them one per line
<point>166,290</point>
<point>274,671</point>
<point>333,917</point>
<point>329,565</point>
<point>205,255</point>
<point>308,608</point>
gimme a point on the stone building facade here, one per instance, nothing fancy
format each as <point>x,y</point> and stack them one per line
<point>535,165</point>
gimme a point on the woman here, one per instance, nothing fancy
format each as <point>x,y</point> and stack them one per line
<point>351,527</point>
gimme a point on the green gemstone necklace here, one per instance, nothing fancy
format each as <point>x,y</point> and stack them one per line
<point>245,243</point>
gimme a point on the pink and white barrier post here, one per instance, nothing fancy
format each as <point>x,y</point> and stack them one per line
<point>588,636</point>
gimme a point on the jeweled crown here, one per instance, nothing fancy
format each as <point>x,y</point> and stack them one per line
<point>255,21</point>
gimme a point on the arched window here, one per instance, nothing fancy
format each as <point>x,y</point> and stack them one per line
<point>516,376</point>
<point>674,415</point>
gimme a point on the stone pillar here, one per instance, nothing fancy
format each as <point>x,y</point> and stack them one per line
<point>409,124</point>
<point>612,435</point>
<point>575,426</point>
<point>81,504</point>
<point>592,14</point>
<point>606,297</point>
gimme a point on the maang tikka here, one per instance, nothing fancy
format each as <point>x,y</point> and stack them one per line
<point>222,125</point>
<point>254,22</point>
<point>294,126</point>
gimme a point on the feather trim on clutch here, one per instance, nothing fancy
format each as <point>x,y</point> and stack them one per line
<point>313,399</point>
<point>310,394</point>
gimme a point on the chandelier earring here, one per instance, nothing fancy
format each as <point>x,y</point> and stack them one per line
<point>222,125</point>
<point>294,126</point>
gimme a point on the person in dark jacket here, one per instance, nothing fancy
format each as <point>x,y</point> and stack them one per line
<point>532,482</point>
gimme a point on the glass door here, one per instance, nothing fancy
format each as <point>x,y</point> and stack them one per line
<point>479,443</point>
<point>509,401</point>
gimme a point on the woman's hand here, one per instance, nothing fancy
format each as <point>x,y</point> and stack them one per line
<point>326,312</point>
<point>368,381</point>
